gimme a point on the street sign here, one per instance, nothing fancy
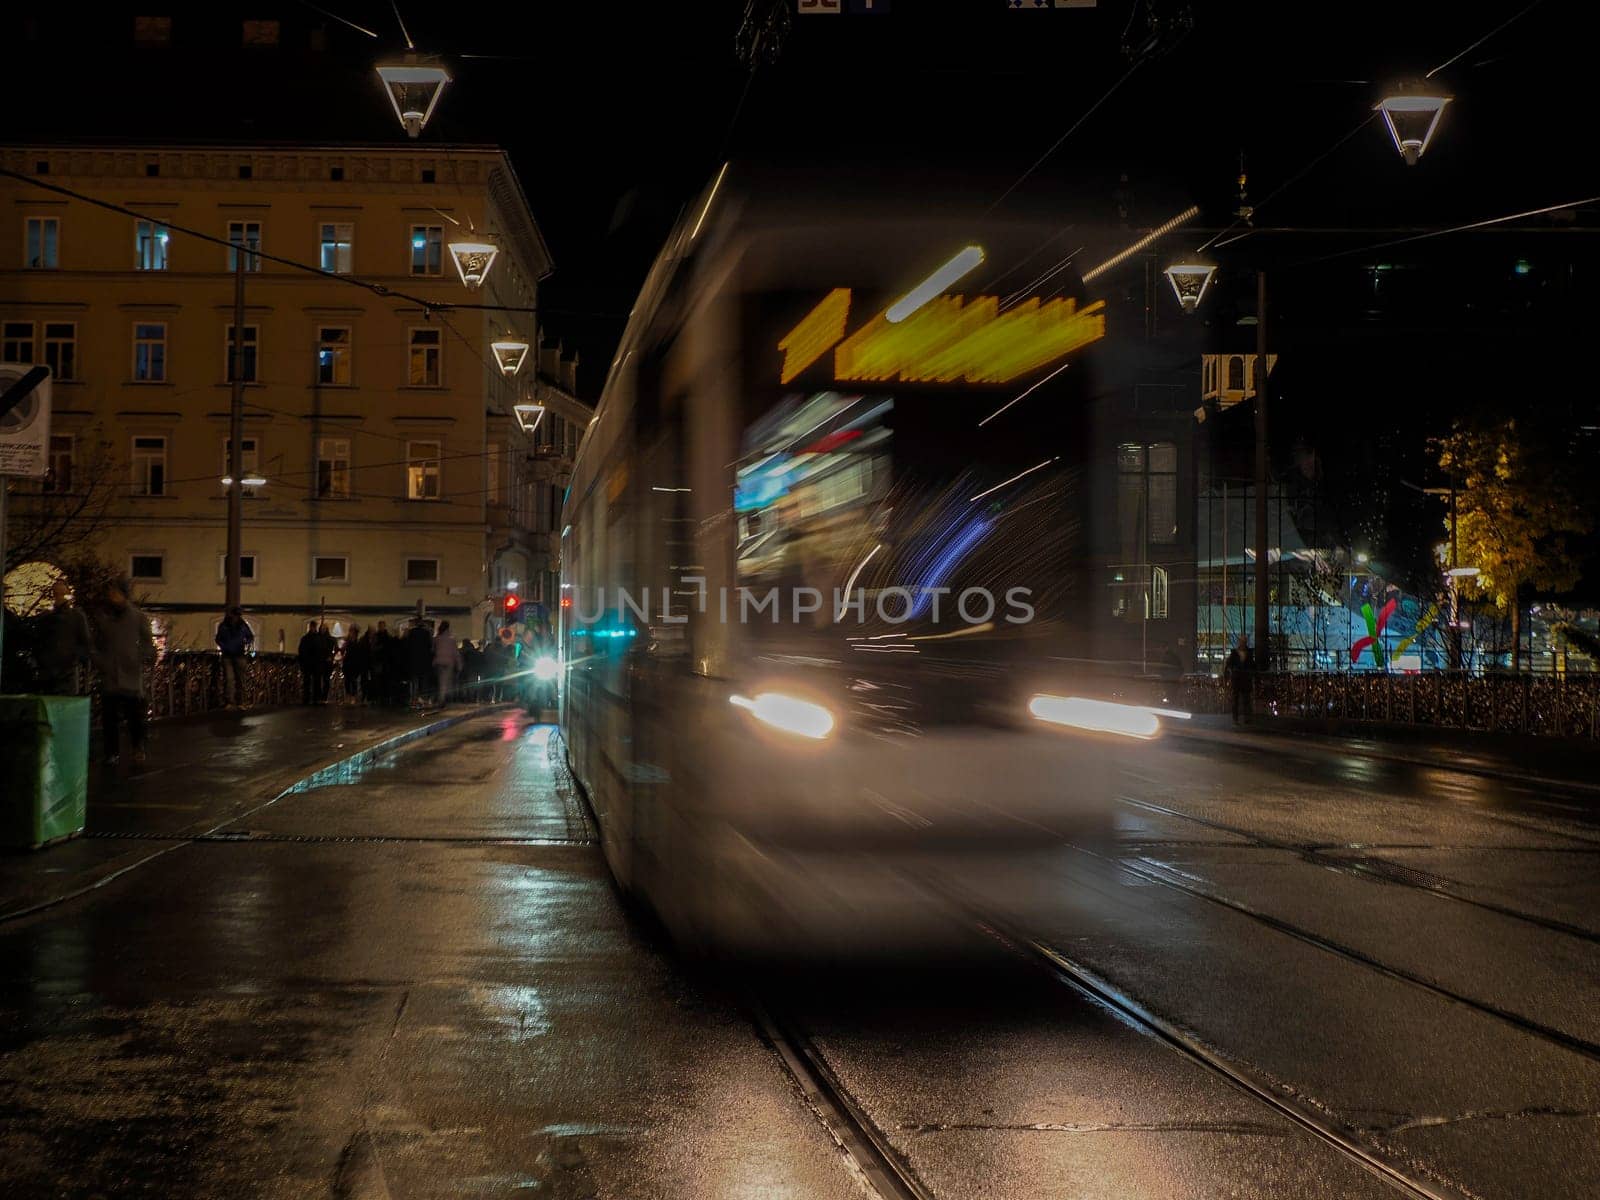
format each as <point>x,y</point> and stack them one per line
<point>805,7</point>
<point>24,419</point>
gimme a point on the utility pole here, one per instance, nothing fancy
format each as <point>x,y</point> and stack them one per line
<point>1263,622</point>
<point>236,431</point>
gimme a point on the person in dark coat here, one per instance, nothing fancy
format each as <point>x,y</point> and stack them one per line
<point>353,663</point>
<point>233,642</point>
<point>1239,671</point>
<point>64,644</point>
<point>123,647</point>
<point>306,653</point>
<point>419,659</point>
<point>327,652</point>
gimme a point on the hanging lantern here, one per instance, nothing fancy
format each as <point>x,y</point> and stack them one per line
<point>528,415</point>
<point>1412,113</point>
<point>1189,281</point>
<point>473,259</point>
<point>509,355</point>
<point>413,89</point>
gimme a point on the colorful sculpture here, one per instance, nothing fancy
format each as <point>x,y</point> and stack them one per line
<point>1375,628</point>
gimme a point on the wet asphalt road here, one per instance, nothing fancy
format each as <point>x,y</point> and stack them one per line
<point>419,983</point>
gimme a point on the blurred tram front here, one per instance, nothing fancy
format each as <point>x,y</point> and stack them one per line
<point>825,609</point>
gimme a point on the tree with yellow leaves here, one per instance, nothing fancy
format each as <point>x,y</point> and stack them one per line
<point>1517,510</point>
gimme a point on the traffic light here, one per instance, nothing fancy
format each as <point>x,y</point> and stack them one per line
<point>511,609</point>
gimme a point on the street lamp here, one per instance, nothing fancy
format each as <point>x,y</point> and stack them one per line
<point>1412,112</point>
<point>528,416</point>
<point>509,355</point>
<point>413,89</point>
<point>473,257</point>
<point>248,481</point>
<point>1189,281</point>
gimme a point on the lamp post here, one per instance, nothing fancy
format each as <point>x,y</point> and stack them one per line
<point>236,431</point>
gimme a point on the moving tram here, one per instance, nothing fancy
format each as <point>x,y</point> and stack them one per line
<point>826,625</point>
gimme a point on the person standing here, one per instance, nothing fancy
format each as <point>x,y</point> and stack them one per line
<point>419,659</point>
<point>327,651</point>
<point>123,647</point>
<point>446,661</point>
<point>306,655</point>
<point>64,644</point>
<point>234,638</point>
<point>1238,672</point>
<point>354,663</point>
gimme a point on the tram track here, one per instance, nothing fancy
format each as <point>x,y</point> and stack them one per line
<point>1373,870</point>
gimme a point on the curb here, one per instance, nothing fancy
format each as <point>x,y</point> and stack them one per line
<point>1459,767</point>
<point>183,836</point>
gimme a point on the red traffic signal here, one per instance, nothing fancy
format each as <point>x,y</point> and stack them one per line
<point>512,603</point>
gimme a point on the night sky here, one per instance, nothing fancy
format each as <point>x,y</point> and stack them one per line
<point>617,113</point>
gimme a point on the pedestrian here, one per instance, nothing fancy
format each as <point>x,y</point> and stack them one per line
<point>123,647</point>
<point>446,661</point>
<point>234,638</point>
<point>371,667</point>
<point>306,654</point>
<point>497,658</point>
<point>353,661</point>
<point>64,644</point>
<point>471,671</point>
<point>396,671</point>
<point>419,659</point>
<point>326,651</point>
<point>1238,672</point>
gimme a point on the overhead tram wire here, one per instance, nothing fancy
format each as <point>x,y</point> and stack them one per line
<point>333,16</point>
<point>1516,16</point>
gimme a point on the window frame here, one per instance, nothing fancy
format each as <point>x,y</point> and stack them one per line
<point>133,574</point>
<point>48,340</point>
<point>345,248</point>
<point>250,353</point>
<point>140,341</point>
<point>405,570</point>
<point>324,457</point>
<point>437,346</point>
<point>41,219</point>
<point>52,476</point>
<point>252,264</point>
<point>431,251</point>
<point>343,579</point>
<point>416,462</point>
<point>333,347</point>
<point>139,481</point>
<point>157,247</point>
<point>9,338</point>
<point>250,556</point>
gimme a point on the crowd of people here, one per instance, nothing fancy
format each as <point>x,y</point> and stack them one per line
<point>421,665</point>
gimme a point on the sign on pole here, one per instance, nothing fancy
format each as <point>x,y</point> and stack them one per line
<point>24,419</point>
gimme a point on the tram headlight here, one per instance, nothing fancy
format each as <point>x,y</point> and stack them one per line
<point>788,713</point>
<point>1097,716</point>
<point>546,668</point>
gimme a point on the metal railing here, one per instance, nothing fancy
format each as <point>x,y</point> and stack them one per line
<point>1534,705</point>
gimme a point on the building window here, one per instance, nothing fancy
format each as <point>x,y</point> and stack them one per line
<point>149,466</point>
<point>16,345</point>
<point>422,570</point>
<point>1235,374</point>
<point>333,355</point>
<point>422,470</point>
<point>338,247</point>
<point>44,243</point>
<point>150,352</point>
<point>149,246</point>
<point>248,341</point>
<point>427,249</point>
<point>152,170</point>
<point>1158,594</point>
<point>59,478</point>
<point>61,348</point>
<point>260,33</point>
<point>1147,494</point>
<point>249,461</point>
<point>423,368</point>
<point>152,31</point>
<point>150,568</point>
<point>247,568</point>
<point>330,568</point>
<point>336,174</point>
<point>333,468</point>
<point>245,235</point>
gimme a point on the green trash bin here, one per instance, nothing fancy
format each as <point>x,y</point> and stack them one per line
<point>44,769</point>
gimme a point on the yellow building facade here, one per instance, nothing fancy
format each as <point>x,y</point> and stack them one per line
<point>396,472</point>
